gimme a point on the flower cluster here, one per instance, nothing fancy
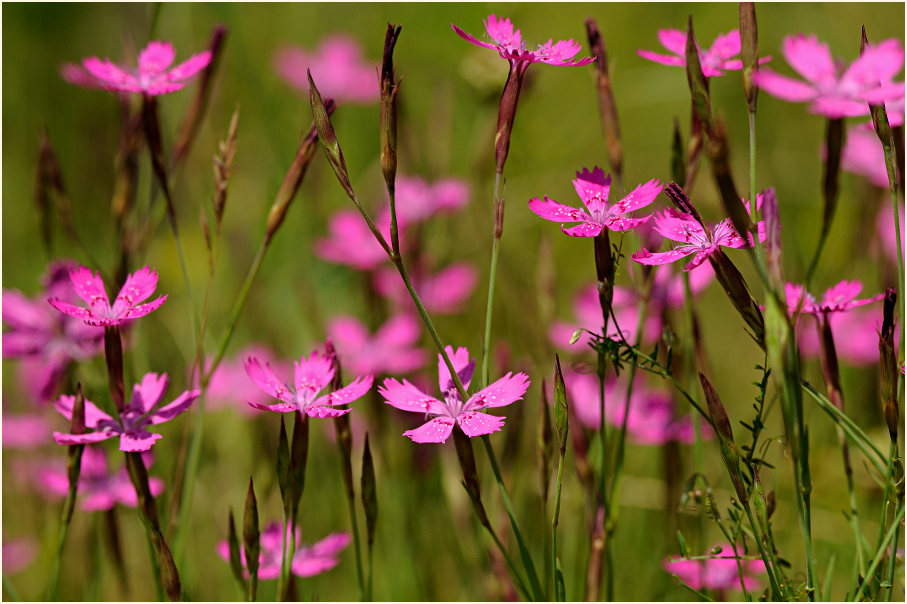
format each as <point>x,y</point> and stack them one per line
<point>306,561</point>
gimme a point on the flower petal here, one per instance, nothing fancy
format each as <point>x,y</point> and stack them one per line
<point>644,256</point>
<point>461,364</point>
<point>137,440</point>
<point>190,66</point>
<point>783,87</point>
<point>149,391</point>
<point>583,229</point>
<point>64,438</point>
<point>313,373</point>
<point>320,411</point>
<point>435,431</point>
<point>179,404</point>
<point>155,58</point>
<point>265,379</point>
<point>93,415</point>
<point>348,393</point>
<point>408,397</point>
<point>89,287</point>
<point>476,423</point>
<point>638,198</point>
<point>504,391</point>
<point>556,212</point>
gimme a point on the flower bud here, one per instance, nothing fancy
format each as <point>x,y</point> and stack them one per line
<point>328,137</point>
<point>722,425</point>
<point>699,85</point>
<point>607,108</point>
<point>749,45</point>
<point>251,533</point>
<point>388,119</point>
<point>560,406</point>
<point>369,493</point>
<point>888,371</point>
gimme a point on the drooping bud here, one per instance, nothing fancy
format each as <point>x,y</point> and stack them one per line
<point>749,46</point>
<point>607,108</point>
<point>699,85</point>
<point>328,137</point>
<point>722,424</point>
<point>251,533</point>
<point>369,493</point>
<point>888,371</point>
<point>388,119</point>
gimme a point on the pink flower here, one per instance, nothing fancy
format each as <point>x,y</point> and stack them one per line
<point>393,348</point>
<point>469,416</point>
<point>337,66</point>
<point>593,188</point>
<point>887,235</point>
<point>856,336</point>
<point>510,46</point>
<point>831,89</point>
<point>306,561</point>
<point>694,239</point>
<point>838,298</point>
<point>18,554</point>
<point>99,489</point>
<point>668,290</point>
<point>417,200</point>
<point>719,571</point>
<point>311,376</point>
<point>152,76</point>
<point>88,286</point>
<point>442,294</point>
<point>141,411</point>
<point>352,243</point>
<point>46,340</point>
<point>713,60</point>
<point>863,155</point>
<point>25,431</point>
<point>588,313</point>
<point>230,386</point>
<point>651,420</point>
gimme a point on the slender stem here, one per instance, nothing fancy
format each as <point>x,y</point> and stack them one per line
<point>495,245</point>
<point>886,495</point>
<point>10,590</point>
<point>766,558</point>
<point>351,504</point>
<point>513,572</point>
<point>554,522</point>
<point>890,536</point>
<point>892,555</point>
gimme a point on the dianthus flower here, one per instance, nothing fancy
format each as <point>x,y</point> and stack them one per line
<point>719,572</point>
<point>417,199</point>
<point>510,46</point>
<point>588,313</point>
<point>142,411</point>
<point>352,243</point>
<point>713,60</point>
<point>831,89</point>
<point>98,488</point>
<point>856,336</point>
<point>593,189</point>
<point>229,385</point>
<point>452,410</point>
<point>337,65</point>
<point>311,376</point>
<point>25,431</point>
<point>694,239</point>
<point>306,561</point>
<point>153,77</point>
<point>392,349</point>
<point>839,298</point>
<point>90,288</point>
<point>442,293</point>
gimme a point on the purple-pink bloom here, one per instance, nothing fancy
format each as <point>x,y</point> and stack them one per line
<point>694,239</point>
<point>417,200</point>
<point>593,188</point>
<point>25,431</point>
<point>17,555</point>
<point>588,312</point>
<point>352,243</point>
<point>142,411</point>
<point>510,45</point>
<point>442,293</point>
<point>856,336</point>
<point>153,76</point>
<point>44,339</point>
<point>719,572</point>
<point>306,561</point>
<point>863,154</point>
<point>838,298</point>
<point>337,66</point>
<point>831,89</point>
<point>98,488</point>
<point>90,288</point>
<point>392,349</point>
<point>713,60</point>
<point>229,386</point>
<point>469,415</point>
<point>310,376</point>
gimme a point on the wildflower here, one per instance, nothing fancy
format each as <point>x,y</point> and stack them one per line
<point>311,376</point>
<point>442,293</point>
<point>393,348</point>
<point>90,288</point>
<point>417,199</point>
<point>469,415</point>
<point>306,561</point>
<point>45,340</point>
<point>142,411</point>
<point>352,243</point>
<point>838,298</point>
<point>99,489</point>
<point>152,77</point>
<point>713,60</point>
<point>18,554</point>
<point>229,385</point>
<point>25,431</point>
<point>510,46</point>
<point>863,155</point>
<point>588,313</point>
<point>719,571</point>
<point>831,89</point>
<point>593,188</point>
<point>694,239</point>
<point>856,337</point>
<point>337,65</point>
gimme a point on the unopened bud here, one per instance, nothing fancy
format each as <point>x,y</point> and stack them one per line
<point>369,493</point>
<point>722,425</point>
<point>233,544</point>
<point>251,533</point>
<point>169,575</point>
<point>699,85</point>
<point>607,108</point>
<point>328,137</point>
<point>888,370</point>
<point>388,119</point>
<point>737,291</point>
<point>560,405</point>
<point>749,46</point>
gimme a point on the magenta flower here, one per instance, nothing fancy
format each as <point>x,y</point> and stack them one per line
<point>651,420</point>
<point>668,290</point>
<point>713,60</point>
<point>25,431</point>
<point>593,188</point>
<point>44,339</point>
<point>352,243</point>
<point>831,89</point>
<point>470,415</point>
<point>152,77</point>
<point>856,336</point>
<point>588,312</point>
<point>417,199</point>
<point>863,154</point>
<point>509,44</point>
<point>230,386</point>
<point>99,489</point>
<point>307,561</point>
<point>838,298</point>
<point>694,239</point>
<point>142,411</point>
<point>89,287</point>
<point>311,376</point>
<point>337,66</point>
<point>442,293</point>
<point>18,554</point>
<point>393,348</point>
<point>719,571</point>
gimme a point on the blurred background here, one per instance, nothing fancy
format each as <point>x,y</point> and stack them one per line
<point>428,546</point>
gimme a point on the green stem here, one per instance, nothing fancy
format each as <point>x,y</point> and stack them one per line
<point>513,572</point>
<point>10,590</point>
<point>554,522</point>
<point>890,536</point>
<point>766,559</point>
<point>351,504</point>
<point>495,245</point>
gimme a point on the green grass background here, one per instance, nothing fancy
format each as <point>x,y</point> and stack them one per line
<point>428,545</point>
